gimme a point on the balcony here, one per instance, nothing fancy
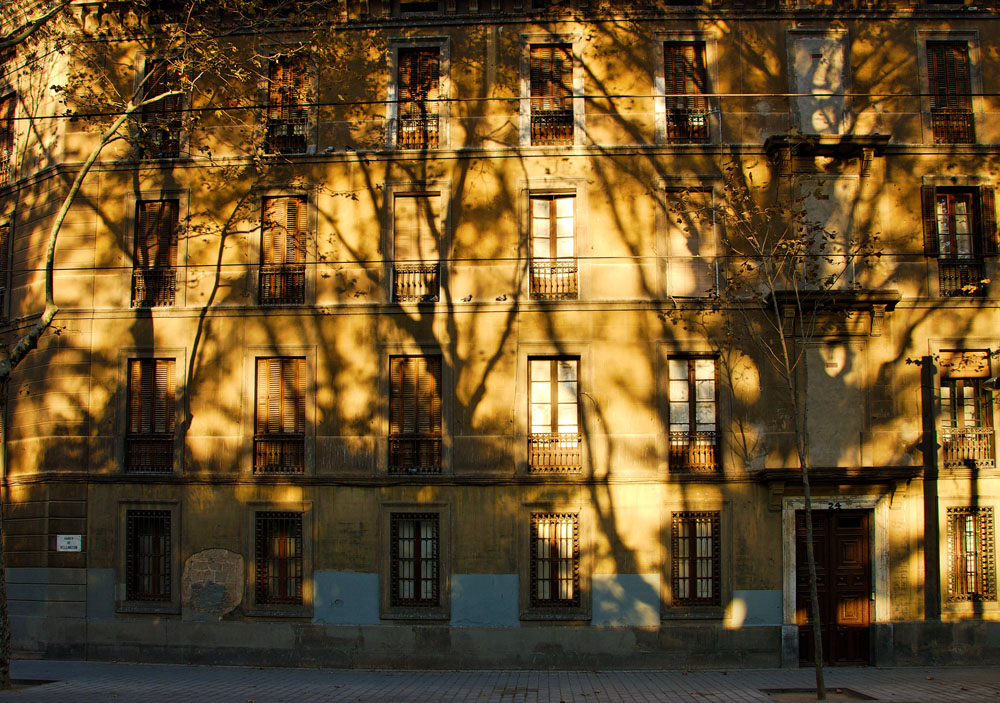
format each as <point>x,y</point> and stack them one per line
<point>282,284</point>
<point>417,132</point>
<point>961,277</point>
<point>687,126</point>
<point>152,288</point>
<point>554,280</point>
<point>953,126</point>
<point>693,451</point>
<point>279,454</point>
<point>160,139</point>
<point>415,454</point>
<point>416,283</point>
<point>552,453</point>
<point>971,447</point>
<point>550,127</point>
<point>149,453</point>
<point>287,136</point>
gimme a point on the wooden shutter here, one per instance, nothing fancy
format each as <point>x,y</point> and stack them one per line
<point>928,207</point>
<point>415,395</point>
<point>4,267</point>
<point>416,227</point>
<point>419,80</point>
<point>152,388</point>
<point>551,77</point>
<point>286,88</point>
<point>158,79</point>
<point>156,235</point>
<point>684,74</point>
<point>281,390</point>
<point>988,220</point>
<point>948,74</point>
<point>283,235</point>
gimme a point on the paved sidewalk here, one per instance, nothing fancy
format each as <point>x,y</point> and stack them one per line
<point>83,682</point>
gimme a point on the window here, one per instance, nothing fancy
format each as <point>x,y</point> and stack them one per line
<point>282,252</point>
<point>554,442</point>
<point>287,105</point>
<point>695,563</point>
<point>553,250</point>
<point>685,87</point>
<point>950,92</point>
<point>154,276</point>
<point>415,414</point>
<point>972,572</point>
<point>693,417</point>
<point>7,103</point>
<point>416,233</point>
<point>278,559</point>
<point>966,411</point>
<point>415,561</point>
<point>960,229</point>
<point>419,82</point>
<point>160,122</point>
<point>280,422</point>
<point>147,555</point>
<point>551,90</point>
<point>149,439</point>
<point>555,560</point>
<point>5,230</point>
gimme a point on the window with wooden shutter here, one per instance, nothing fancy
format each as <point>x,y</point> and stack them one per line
<point>287,105</point>
<point>154,275</point>
<point>414,559</point>
<point>147,555</point>
<point>554,439</point>
<point>415,429</point>
<point>695,564</point>
<point>553,248</point>
<point>971,555</point>
<point>950,92</point>
<point>7,104</point>
<point>280,419</point>
<point>282,251</point>
<point>965,418</point>
<point>960,229</point>
<point>419,84</point>
<point>685,88</point>
<point>5,244</point>
<point>551,88</point>
<point>555,560</point>
<point>278,562</point>
<point>149,439</point>
<point>416,255</point>
<point>693,414</point>
<point>160,121</point>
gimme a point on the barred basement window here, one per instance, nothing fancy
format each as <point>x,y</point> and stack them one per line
<point>419,83</point>
<point>7,104</point>
<point>280,422</point>
<point>415,427</point>
<point>287,101</point>
<point>282,252</point>
<point>693,433</point>
<point>160,122</point>
<point>960,230</point>
<point>154,274</point>
<point>555,560</point>
<point>686,85</point>
<point>278,558</point>
<point>551,87</point>
<point>696,567</point>
<point>951,93</point>
<point>972,572</point>
<point>554,440</point>
<point>147,555</point>
<point>415,559</point>
<point>553,249</point>
<point>149,440</point>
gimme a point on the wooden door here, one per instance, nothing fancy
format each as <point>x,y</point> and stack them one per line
<point>841,540</point>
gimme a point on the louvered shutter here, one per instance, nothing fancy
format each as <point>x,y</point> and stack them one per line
<point>152,389</point>
<point>419,80</point>
<point>283,233</point>
<point>948,74</point>
<point>988,220</point>
<point>263,395</point>
<point>4,267</point>
<point>428,398</point>
<point>272,218</point>
<point>685,75</point>
<point>135,404</point>
<point>281,405</point>
<point>286,88</point>
<point>416,228</point>
<point>415,395</point>
<point>158,81</point>
<point>156,244</point>
<point>929,210</point>
<point>396,370</point>
<point>551,77</point>
<point>163,396</point>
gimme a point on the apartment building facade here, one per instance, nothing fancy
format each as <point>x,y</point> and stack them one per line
<point>414,357</point>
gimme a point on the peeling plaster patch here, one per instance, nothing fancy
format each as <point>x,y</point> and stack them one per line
<point>212,584</point>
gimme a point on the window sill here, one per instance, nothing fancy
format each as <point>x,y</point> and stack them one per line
<point>569,615</point>
<point>693,613</point>
<point>416,613</point>
<point>275,611</point>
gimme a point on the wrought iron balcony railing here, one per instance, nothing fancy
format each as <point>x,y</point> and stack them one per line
<point>153,287</point>
<point>553,279</point>
<point>555,452</point>
<point>693,451</point>
<point>279,454</point>
<point>287,136</point>
<point>160,139</point>
<point>282,284</point>
<point>149,453</point>
<point>415,454</point>
<point>416,283</point>
<point>970,447</point>
<point>687,126</point>
<point>417,132</point>
<point>953,126</point>
<point>551,127</point>
<point>961,277</point>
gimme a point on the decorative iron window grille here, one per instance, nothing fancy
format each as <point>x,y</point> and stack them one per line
<point>555,560</point>
<point>147,555</point>
<point>695,562</point>
<point>415,559</point>
<point>278,558</point>
<point>971,555</point>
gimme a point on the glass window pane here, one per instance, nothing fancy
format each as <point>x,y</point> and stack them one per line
<point>541,418</point>
<point>567,370</point>
<point>540,370</point>
<point>679,390</point>
<point>539,208</point>
<point>541,392</point>
<point>564,207</point>
<point>564,248</point>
